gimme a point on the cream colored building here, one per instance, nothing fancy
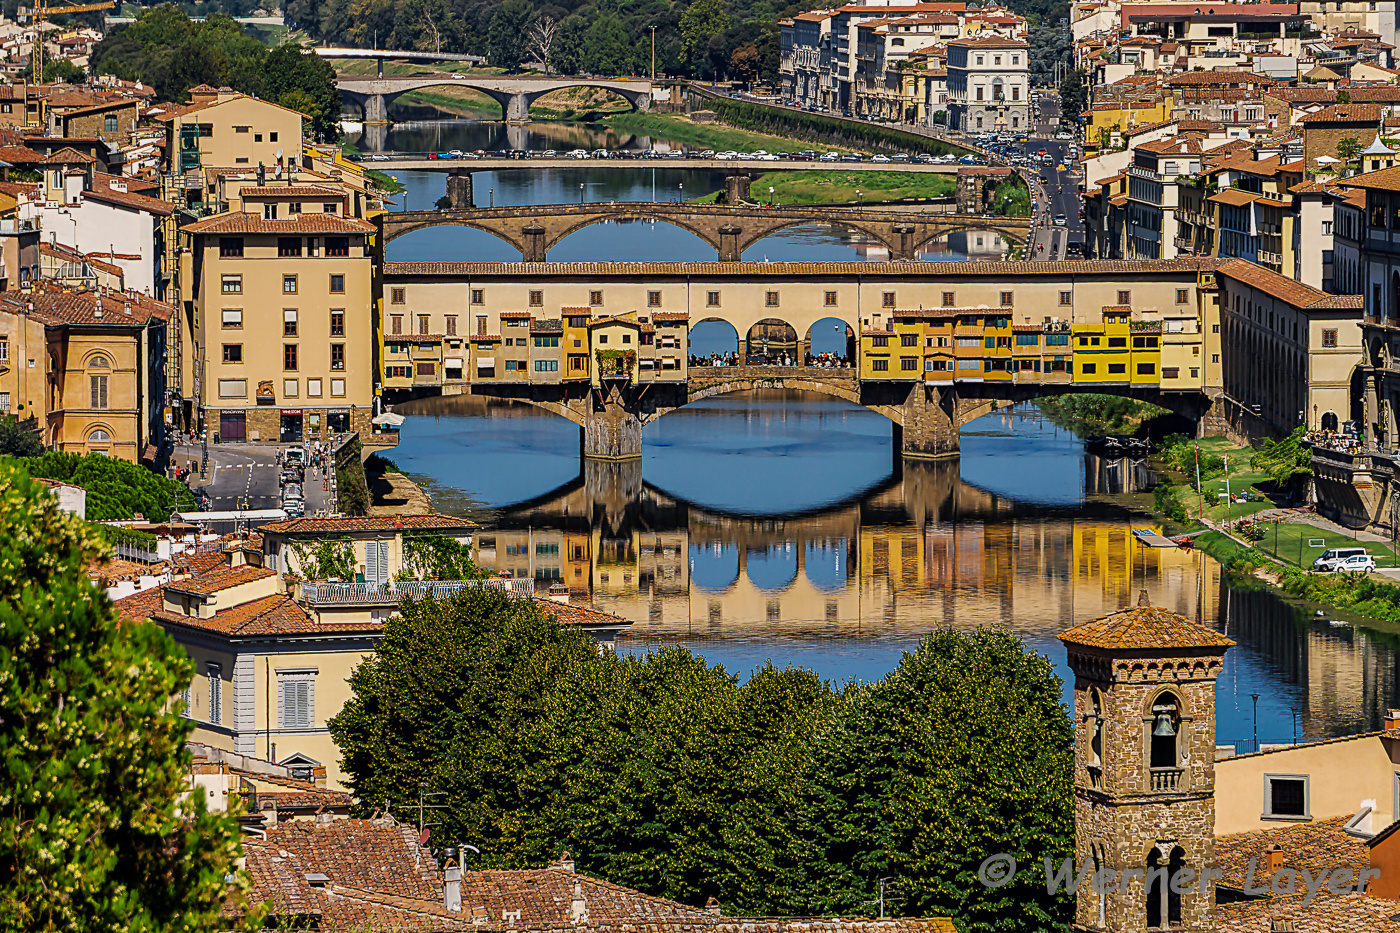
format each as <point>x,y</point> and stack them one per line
<point>225,128</point>
<point>1291,352</point>
<point>283,319</point>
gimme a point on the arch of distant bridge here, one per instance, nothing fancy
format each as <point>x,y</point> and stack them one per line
<point>903,234</point>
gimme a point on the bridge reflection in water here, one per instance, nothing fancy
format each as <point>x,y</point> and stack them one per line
<point>922,547</point>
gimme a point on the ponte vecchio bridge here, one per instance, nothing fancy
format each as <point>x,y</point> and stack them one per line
<point>929,345</point>
<point>730,230</point>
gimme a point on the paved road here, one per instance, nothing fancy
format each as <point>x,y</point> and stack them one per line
<point>247,476</point>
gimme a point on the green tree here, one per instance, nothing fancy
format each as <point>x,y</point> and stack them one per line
<point>567,54</point>
<point>1343,97</point>
<point>95,832</point>
<point>744,62</point>
<point>702,21</point>
<point>508,34</point>
<point>1072,94</point>
<point>961,753</point>
<point>1284,459</point>
<point>20,438</point>
<point>301,80</point>
<point>1348,148</point>
<point>607,49</point>
<point>116,489</point>
<point>64,71</point>
<point>659,772</point>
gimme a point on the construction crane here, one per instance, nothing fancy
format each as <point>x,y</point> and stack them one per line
<point>42,11</point>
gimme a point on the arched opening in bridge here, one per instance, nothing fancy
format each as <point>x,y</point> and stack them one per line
<point>638,239</point>
<point>815,243</point>
<point>967,244</point>
<point>713,339</point>
<point>714,568</point>
<point>450,243</point>
<point>825,564</point>
<point>447,101</point>
<point>773,342</point>
<point>772,568</point>
<point>831,340</point>
<point>579,103</point>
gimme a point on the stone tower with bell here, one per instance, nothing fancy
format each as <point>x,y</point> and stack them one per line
<point>1144,769</point>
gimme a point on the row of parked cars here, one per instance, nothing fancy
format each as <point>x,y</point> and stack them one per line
<point>728,155</point>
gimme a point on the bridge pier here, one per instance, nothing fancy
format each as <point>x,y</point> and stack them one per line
<point>518,108</point>
<point>376,109</point>
<point>459,190</point>
<point>729,249</point>
<point>736,188</point>
<point>532,243</point>
<point>612,431</point>
<point>908,248</point>
<point>931,424</point>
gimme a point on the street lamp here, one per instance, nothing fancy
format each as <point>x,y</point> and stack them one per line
<point>860,198</point>
<point>770,195</point>
<point>493,198</point>
<point>680,186</point>
<point>580,192</point>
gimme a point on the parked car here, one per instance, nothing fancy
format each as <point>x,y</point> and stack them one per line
<point>829,157</point>
<point>376,157</point>
<point>1357,563</point>
<point>1330,558</point>
<point>901,157</point>
<point>880,158</point>
<point>457,76</point>
<point>576,154</point>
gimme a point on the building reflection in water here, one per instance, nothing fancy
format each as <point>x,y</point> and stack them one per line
<point>923,548</point>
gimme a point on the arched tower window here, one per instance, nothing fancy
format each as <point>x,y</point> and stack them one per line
<point>1165,733</point>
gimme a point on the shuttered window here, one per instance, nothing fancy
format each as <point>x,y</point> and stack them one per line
<point>296,699</point>
<point>216,692</point>
<point>376,562</point>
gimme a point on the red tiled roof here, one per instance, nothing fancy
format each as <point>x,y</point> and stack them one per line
<point>221,578</point>
<point>290,191</point>
<point>130,199</point>
<point>1143,628</point>
<point>582,616</point>
<point>271,615</point>
<point>368,523</point>
<point>1344,113</point>
<point>58,306</point>
<point>138,607</point>
<point>240,222</point>
<point>992,268</point>
<point>1290,290</point>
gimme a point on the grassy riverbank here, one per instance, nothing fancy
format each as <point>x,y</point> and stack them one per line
<point>835,187</point>
<point>678,129</point>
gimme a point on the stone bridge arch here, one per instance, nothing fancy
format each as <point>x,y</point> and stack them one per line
<point>886,238</point>
<point>749,384</point>
<point>495,230</point>
<point>633,213</point>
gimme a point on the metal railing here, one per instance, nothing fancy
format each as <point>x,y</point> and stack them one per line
<point>349,594</point>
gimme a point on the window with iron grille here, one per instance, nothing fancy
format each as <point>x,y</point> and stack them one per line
<point>887,300</point>
<point>537,299</point>
<point>949,300</point>
<point>770,299</point>
<point>1006,299</point>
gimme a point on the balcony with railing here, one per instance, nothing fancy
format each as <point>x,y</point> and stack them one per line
<point>1165,780</point>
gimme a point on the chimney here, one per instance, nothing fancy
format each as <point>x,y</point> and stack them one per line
<point>713,909</point>
<point>1392,719</point>
<point>565,863</point>
<point>578,908</point>
<point>1275,858</point>
<point>262,175</point>
<point>559,593</point>
<point>452,889</point>
<point>1142,598</point>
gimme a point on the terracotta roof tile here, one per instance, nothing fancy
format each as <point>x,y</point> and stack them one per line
<point>1290,290</point>
<point>221,578</point>
<point>138,607</point>
<point>271,615</point>
<point>290,191</point>
<point>1320,844</point>
<point>370,523</point>
<point>1344,113</point>
<point>1143,628</point>
<point>130,199</point>
<point>1235,197</point>
<point>783,269</point>
<point>582,616</point>
<point>240,222</point>
<point>1327,913</point>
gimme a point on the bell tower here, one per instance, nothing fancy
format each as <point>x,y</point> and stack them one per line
<point>1144,769</point>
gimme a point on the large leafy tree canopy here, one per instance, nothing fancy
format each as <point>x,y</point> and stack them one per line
<point>94,835</point>
<point>172,53</point>
<point>775,795</point>
<point>116,489</point>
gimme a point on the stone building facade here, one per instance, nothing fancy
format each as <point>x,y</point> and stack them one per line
<point>1144,770</point>
<point>989,85</point>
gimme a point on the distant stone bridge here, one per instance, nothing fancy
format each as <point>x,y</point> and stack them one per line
<point>514,94</point>
<point>730,230</point>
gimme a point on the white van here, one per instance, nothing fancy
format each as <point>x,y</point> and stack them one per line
<point>1333,556</point>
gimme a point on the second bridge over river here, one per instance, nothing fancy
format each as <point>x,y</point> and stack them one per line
<point>730,230</point>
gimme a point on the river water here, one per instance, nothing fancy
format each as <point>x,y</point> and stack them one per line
<point>781,526</point>
<point>637,241</point>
